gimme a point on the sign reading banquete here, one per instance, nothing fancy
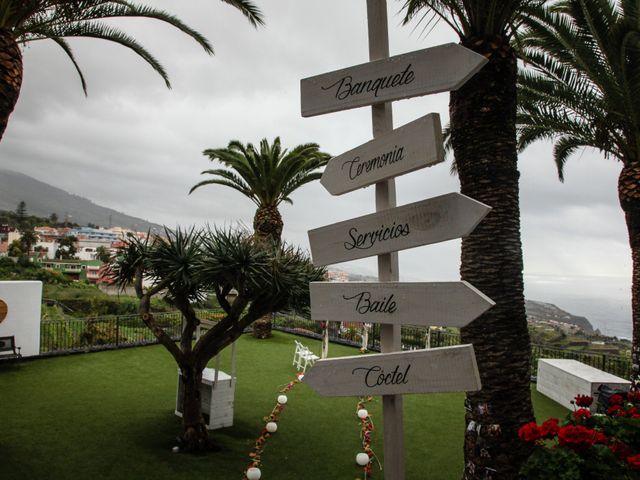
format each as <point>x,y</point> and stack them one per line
<point>432,70</point>
<point>445,304</point>
<point>447,369</point>
<point>413,146</point>
<point>422,223</point>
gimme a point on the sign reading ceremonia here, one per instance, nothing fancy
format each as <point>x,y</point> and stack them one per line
<point>447,369</point>
<point>444,304</point>
<point>411,147</point>
<point>432,70</point>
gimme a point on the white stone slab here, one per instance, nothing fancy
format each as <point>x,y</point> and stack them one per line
<point>563,379</point>
<point>411,147</point>
<point>446,304</point>
<point>447,369</point>
<point>423,72</point>
<point>422,223</point>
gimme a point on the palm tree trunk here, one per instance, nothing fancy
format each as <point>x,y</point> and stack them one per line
<point>629,195</point>
<point>10,76</point>
<point>484,143</point>
<point>267,226</point>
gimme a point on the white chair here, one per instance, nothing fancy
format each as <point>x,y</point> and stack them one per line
<point>303,357</point>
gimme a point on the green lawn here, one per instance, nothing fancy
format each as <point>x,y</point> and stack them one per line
<point>109,415</point>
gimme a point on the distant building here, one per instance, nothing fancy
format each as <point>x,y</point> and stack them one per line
<point>75,269</point>
<point>337,276</point>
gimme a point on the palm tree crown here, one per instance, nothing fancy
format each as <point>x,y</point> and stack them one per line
<point>582,91</point>
<point>23,21</point>
<point>268,176</point>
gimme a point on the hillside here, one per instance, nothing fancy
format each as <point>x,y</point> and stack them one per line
<point>43,199</point>
<point>544,312</point>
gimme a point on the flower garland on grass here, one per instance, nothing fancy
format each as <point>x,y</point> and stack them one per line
<point>365,458</point>
<point>271,426</point>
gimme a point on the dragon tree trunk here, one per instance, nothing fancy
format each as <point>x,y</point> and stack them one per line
<point>10,76</point>
<point>195,437</point>
<point>629,195</point>
<point>483,134</point>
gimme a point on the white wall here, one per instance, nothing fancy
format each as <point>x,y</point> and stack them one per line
<point>23,300</point>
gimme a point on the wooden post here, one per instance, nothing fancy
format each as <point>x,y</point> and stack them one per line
<point>382,122</point>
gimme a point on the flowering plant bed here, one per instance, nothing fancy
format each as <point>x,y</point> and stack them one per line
<point>587,446</point>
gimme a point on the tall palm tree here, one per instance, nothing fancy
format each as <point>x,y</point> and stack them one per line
<point>583,92</point>
<point>483,138</point>
<point>268,177</point>
<point>24,21</point>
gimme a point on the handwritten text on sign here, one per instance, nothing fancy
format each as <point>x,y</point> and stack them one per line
<point>422,223</point>
<point>448,369</point>
<point>413,146</point>
<point>446,304</point>
<point>432,70</point>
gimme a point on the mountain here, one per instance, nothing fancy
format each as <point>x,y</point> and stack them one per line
<point>544,312</point>
<point>43,199</point>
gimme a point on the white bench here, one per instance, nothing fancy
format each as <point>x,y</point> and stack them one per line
<point>562,379</point>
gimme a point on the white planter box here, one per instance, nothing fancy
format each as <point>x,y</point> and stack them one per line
<point>561,380</point>
<point>216,398</point>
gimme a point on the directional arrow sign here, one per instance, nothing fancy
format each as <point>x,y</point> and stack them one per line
<point>430,221</point>
<point>447,369</point>
<point>432,70</point>
<point>445,304</point>
<point>416,145</point>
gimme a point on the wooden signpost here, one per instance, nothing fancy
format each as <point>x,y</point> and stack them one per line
<point>411,147</point>
<point>432,70</point>
<point>437,219</point>
<point>390,229</point>
<point>446,304</point>
<point>448,369</point>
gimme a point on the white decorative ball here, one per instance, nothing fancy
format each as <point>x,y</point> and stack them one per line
<point>272,427</point>
<point>175,449</point>
<point>282,399</point>
<point>362,413</point>
<point>362,459</point>
<point>254,473</point>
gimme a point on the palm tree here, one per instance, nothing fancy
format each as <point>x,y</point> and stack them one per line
<point>268,177</point>
<point>24,21</point>
<point>483,138</point>
<point>583,92</point>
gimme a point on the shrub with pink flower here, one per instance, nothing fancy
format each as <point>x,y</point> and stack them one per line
<point>586,446</point>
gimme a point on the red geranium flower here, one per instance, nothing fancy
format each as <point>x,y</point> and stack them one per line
<point>578,437</point>
<point>549,428</point>
<point>584,400</point>
<point>620,450</point>
<point>529,432</point>
<point>616,399</point>
<point>634,462</point>
<point>581,413</point>
<point>615,410</point>
<point>634,397</point>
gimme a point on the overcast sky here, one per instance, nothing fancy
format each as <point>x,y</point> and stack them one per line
<point>135,146</point>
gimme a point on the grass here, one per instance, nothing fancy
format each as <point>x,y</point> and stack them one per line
<point>109,415</point>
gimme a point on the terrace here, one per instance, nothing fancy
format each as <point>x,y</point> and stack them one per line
<point>110,415</point>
